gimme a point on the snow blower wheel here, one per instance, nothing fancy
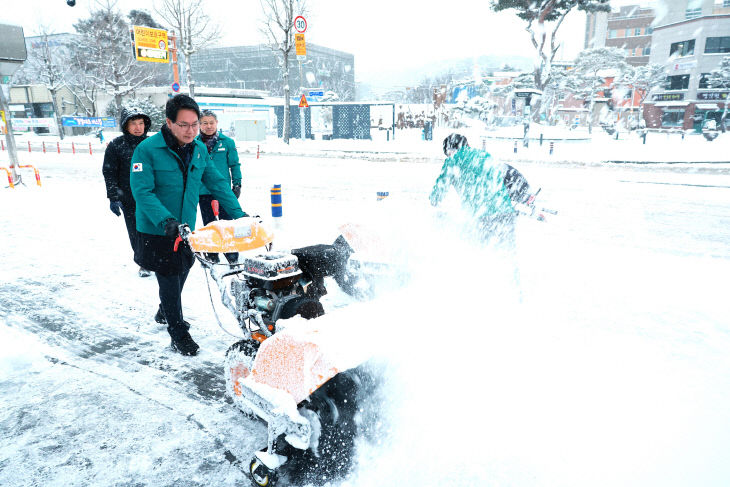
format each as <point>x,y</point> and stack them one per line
<point>261,475</point>
<point>237,365</point>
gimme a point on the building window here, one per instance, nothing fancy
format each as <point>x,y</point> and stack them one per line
<point>726,3</point>
<point>650,30</point>
<point>672,118</point>
<point>612,34</point>
<point>647,50</point>
<point>683,48</point>
<point>704,81</point>
<point>692,13</point>
<point>637,31</point>
<point>717,44</point>
<point>679,82</point>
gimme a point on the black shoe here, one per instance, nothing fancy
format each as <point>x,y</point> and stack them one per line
<point>160,318</point>
<point>184,344</point>
<point>144,272</point>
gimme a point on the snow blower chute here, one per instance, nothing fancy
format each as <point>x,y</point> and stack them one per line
<point>305,379</point>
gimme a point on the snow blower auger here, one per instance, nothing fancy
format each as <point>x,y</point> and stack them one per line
<point>301,378</point>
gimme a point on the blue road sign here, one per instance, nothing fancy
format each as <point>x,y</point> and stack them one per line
<point>316,93</point>
<point>176,87</point>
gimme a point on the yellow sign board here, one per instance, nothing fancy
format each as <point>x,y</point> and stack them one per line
<point>303,102</point>
<point>3,124</point>
<point>300,45</point>
<point>151,45</point>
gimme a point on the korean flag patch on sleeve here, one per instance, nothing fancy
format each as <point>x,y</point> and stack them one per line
<point>137,167</point>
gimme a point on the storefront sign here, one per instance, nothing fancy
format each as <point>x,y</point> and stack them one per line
<point>713,95</point>
<point>668,97</point>
<point>88,122</point>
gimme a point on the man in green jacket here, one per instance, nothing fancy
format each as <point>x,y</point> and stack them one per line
<point>488,189</point>
<point>168,172</point>
<point>223,152</point>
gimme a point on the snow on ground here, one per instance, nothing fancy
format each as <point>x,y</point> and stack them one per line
<point>612,371</point>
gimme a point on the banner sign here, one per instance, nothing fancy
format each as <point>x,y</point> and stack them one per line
<point>88,122</point>
<point>668,97</point>
<point>3,126</point>
<point>151,44</point>
<point>713,95</point>
<point>25,123</point>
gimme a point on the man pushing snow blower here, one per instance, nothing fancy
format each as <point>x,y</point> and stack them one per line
<point>168,170</point>
<point>493,193</point>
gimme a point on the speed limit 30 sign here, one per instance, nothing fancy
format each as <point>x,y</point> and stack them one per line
<point>300,24</point>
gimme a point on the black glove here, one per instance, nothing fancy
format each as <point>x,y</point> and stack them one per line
<point>237,191</point>
<point>115,206</point>
<point>171,227</point>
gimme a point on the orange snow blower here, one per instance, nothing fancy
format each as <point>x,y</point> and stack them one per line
<point>305,378</point>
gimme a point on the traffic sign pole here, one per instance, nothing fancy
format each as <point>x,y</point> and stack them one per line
<point>300,25</point>
<point>9,137</point>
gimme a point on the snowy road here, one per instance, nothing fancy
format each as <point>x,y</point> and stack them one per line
<point>614,371</point>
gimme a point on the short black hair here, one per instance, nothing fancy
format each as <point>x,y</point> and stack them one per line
<point>454,142</point>
<point>180,102</point>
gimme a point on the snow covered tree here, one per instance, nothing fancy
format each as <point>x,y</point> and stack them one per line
<point>104,51</point>
<point>193,27</point>
<point>143,105</point>
<point>643,79</point>
<point>476,108</point>
<point>538,14</point>
<point>588,77</point>
<point>720,78</point>
<point>278,27</point>
<point>47,64</point>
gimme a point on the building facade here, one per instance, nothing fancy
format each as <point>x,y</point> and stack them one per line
<point>258,68</point>
<point>690,49</point>
<point>629,28</point>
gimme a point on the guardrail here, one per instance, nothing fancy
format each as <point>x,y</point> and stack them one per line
<point>57,147</point>
<point>12,183</point>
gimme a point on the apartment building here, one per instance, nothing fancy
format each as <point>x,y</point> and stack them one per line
<point>690,44</point>
<point>628,28</point>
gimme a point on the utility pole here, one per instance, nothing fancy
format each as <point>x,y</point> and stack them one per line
<point>9,137</point>
<point>12,55</point>
<point>173,53</point>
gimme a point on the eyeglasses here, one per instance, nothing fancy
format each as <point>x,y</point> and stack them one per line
<point>186,126</point>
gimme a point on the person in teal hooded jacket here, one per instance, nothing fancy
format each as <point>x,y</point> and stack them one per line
<point>167,174</point>
<point>488,190</point>
<point>222,150</point>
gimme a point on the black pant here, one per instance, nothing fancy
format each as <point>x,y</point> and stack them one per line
<point>128,210</point>
<point>206,211</point>
<point>171,288</point>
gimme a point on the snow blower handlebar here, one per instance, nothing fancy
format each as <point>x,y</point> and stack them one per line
<point>184,230</point>
<point>529,209</point>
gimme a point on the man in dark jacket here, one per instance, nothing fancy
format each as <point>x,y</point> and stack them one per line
<point>168,171</point>
<point>117,161</point>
